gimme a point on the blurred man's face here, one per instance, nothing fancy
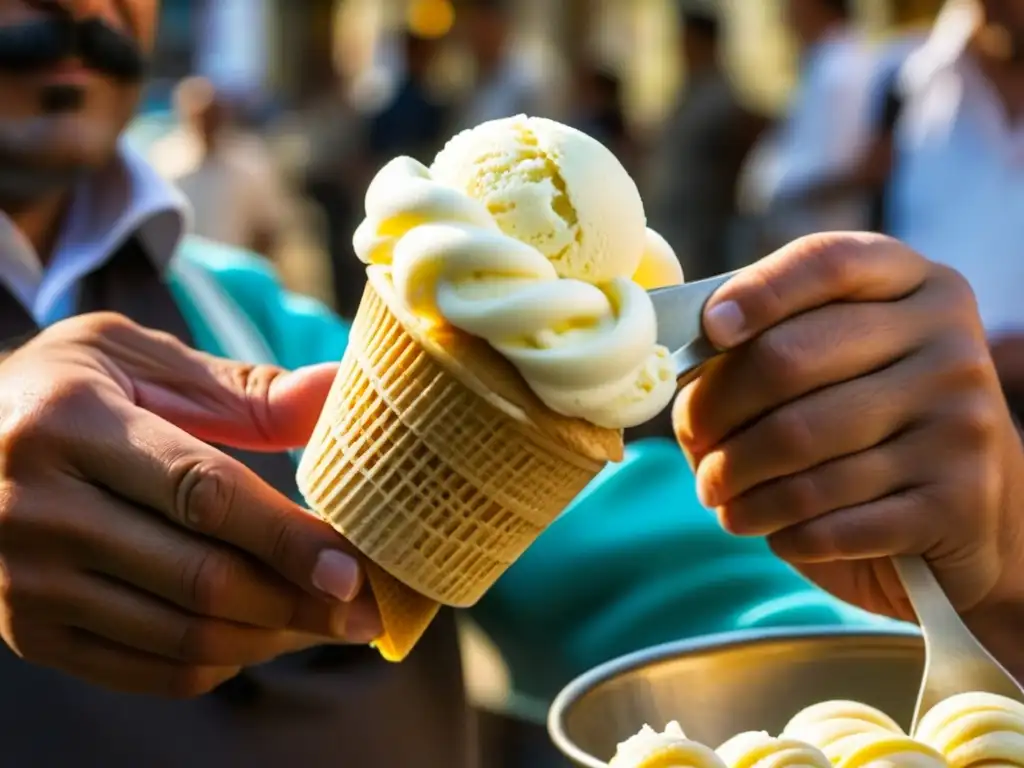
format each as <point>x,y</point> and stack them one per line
<point>70,78</point>
<point>1007,16</point>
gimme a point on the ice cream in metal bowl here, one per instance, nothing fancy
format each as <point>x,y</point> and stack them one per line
<point>722,685</point>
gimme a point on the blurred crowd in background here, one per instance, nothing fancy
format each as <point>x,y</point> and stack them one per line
<point>733,116</point>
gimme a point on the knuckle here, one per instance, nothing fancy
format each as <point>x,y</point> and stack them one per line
<point>206,582</point>
<point>970,364</point>
<point>978,420</point>
<point>955,286</point>
<point>781,357</point>
<point>736,518</point>
<point>43,421</point>
<point>205,491</point>
<point>801,496</point>
<point>790,432</point>
<point>102,322</point>
<point>836,262</point>
<point>807,541</point>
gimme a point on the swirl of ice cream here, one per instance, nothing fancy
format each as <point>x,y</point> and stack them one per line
<point>973,729</point>
<point>588,350</point>
<point>758,749</point>
<point>854,735</point>
<point>669,749</point>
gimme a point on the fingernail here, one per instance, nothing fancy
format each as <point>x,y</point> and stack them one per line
<point>338,575</point>
<point>725,325</point>
<point>363,626</point>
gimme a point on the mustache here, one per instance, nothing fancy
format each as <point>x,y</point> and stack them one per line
<point>36,45</point>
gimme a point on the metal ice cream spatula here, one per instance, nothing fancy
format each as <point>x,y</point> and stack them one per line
<point>955,662</point>
<point>680,310</point>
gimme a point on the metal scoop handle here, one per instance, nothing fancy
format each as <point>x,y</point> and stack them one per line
<point>680,310</point>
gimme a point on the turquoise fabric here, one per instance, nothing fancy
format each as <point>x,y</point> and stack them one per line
<point>298,330</point>
<point>635,561</point>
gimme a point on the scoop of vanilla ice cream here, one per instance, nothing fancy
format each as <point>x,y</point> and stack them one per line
<point>758,749</point>
<point>530,235</point>
<point>973,729</point>
<point>854,735</point>
<point>659,266</point>
<point>668,749</point>
<point>554,188</point>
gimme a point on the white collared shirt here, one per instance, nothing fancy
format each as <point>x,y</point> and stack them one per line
<point>957,193</point>
<point>825,132</point>
<point>107,208</point>
<point>234,193</point>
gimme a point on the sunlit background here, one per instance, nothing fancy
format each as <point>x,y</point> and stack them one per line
<point>279,57</point>
<point>286,46</point>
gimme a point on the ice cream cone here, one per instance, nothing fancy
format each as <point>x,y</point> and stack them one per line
<point>437,462</point>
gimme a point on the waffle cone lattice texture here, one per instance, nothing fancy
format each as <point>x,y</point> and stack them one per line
<point>438,486</point>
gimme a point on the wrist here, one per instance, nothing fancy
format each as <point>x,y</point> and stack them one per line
<point>998,621</point>
<point>999,626</point>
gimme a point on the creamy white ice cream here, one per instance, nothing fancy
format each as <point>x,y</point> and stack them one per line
<point>854,735</point>
<point>532,236</point>
<point>975,729</point>
<point>668,749</point>
<point>759,749</point>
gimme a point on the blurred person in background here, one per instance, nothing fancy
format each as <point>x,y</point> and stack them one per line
<point>957,187</point>
<point>810,173</point>
<point>414,121</point>
<point>599,110</point>
<point>337,167</point>
<point>228,175</point>
<point>695,164</point>
<point>911,22</point>
<point>504,85</point>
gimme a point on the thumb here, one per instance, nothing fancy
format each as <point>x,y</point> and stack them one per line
<point>258,408</point>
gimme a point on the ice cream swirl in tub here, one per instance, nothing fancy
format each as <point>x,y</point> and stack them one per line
<point>759,749</point>
<point>581,331</point>
<point>975,729</point>
<point>854,735</point>
<point>668,749</point>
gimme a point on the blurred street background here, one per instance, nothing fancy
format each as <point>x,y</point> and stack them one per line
<point>320,93</point>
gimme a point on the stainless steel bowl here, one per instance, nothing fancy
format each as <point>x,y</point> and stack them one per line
<point>721,685</point>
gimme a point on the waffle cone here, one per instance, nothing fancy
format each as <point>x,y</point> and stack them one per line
<point>437,462</point>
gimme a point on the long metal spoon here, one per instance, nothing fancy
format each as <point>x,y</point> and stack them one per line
<point>955,662</point>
